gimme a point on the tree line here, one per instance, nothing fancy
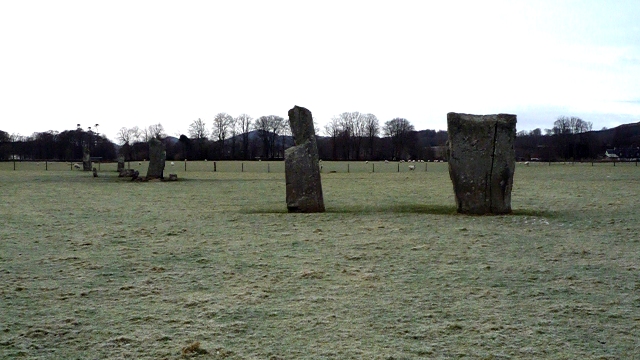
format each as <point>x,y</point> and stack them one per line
<point>573,139</point>
<point>348,136</point>
<point>67,145</point>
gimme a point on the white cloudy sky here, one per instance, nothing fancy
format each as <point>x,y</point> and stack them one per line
<point>127,63</point>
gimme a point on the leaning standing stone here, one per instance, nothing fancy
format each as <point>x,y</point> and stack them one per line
<point>482,161</point>
<point>86,160</point>
<point>157,157</point>
<point>302,171</point>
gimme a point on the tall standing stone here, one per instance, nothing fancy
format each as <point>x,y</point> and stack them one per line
<point>157,157</point>
<point>301,163</point>
<point>86,160</point>
<point>482,161</point>
<point>120,163</point>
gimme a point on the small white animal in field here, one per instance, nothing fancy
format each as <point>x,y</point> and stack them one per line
<point>386,161</point>
<point>366,162</point>
<point>77,166</point>
<point>139,162</point>
<point>172,163</point>
<point>412,167</point>
<point>205,159</point>
<point>526,163</point>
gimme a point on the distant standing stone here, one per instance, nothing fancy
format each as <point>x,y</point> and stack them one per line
<point>127,173</point>
<point>120,163</point>
<point>95,172</point>
<point>86,160</point>
<point>157,157</point>
<point>302,169</point>
<point>482,161</point>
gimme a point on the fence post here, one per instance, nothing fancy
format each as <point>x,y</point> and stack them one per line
<point>14,164</point>
<point>46,165</point>
<point>70,166</point>
<point>185,165</point>
<point>242,168</point>
<point>425,166</point>
<point>373,167</point>
<point>214,166</point>
<point>347,168</point>
<point>268,168</point>
<point>398,167</point>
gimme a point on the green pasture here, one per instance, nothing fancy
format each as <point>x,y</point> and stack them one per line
<point>213,267</point>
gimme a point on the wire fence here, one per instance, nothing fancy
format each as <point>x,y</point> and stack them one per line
<point>326,167</point>
<point>224,166</point>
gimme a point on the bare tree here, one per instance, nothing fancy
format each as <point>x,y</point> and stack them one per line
<point>157,131</point>
<point>269,127</point>
<point>351,131</point>
<point>136,134</point>
<point>371,131</point>
<point>244,124</point>
<point>152,131</point>
<point>332,129</point>
<point>124,136</point>
<point>399,130</point>
<point>233,132</point>
<point>221,123</point>
<point>198,130</point>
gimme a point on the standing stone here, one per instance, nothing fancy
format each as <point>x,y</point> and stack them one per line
<point>86,160</point>
<point>482,161</point>
<point>120,163</point>
<point>301,163</point>
<point>157,157</point>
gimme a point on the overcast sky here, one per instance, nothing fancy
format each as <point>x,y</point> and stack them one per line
<point>127,63</point>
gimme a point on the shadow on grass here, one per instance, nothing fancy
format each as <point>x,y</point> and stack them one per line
<point>430,209</point>
<point>220,180</point>
<point>361,209</point>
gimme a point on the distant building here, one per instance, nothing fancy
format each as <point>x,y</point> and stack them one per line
<point>627,153</point>
<point>611,154</point>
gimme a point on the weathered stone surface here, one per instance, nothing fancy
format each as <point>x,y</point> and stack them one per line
<point>302,170</point>
<point>127,173</point>
<point>157,157</point>
<point>86,160</point>
<point>120,163</point>
<point>482,161</point>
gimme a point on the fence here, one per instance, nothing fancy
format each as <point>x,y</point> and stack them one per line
<point>327,167</point>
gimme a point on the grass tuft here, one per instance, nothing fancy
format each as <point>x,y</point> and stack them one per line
<point>193,348</point>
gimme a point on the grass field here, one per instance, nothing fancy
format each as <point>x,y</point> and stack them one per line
<point>213,267</point>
